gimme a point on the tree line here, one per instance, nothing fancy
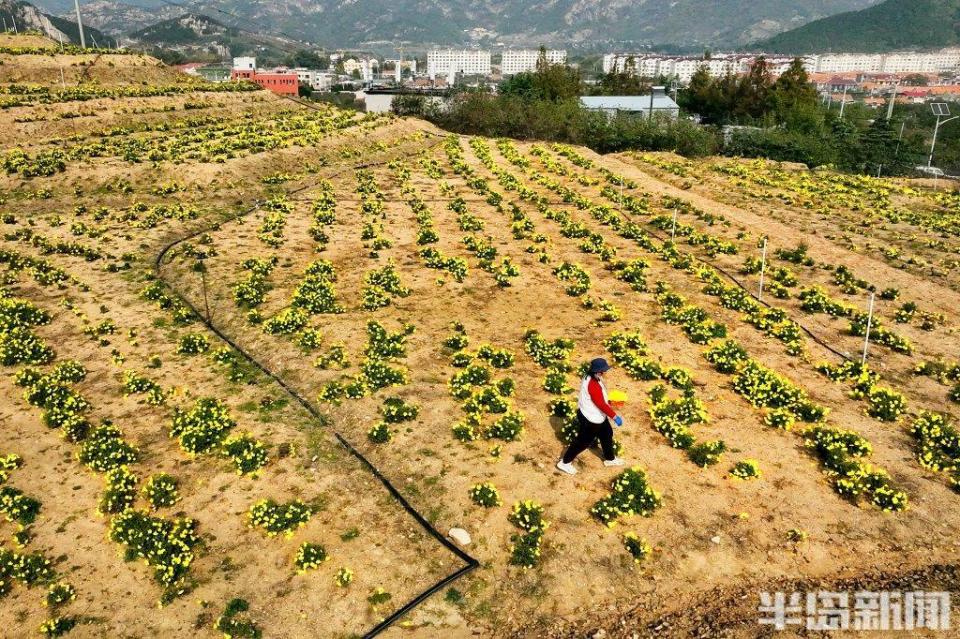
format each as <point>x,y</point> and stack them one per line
<point>753,115</point>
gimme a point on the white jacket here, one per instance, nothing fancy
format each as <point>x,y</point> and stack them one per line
<point>586,405</point>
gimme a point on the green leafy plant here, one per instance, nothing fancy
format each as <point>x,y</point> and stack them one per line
<point>234,624</point>
<point>630,494</point>
<point>275,518</point>
<point>485,494</point>
<point>165,545</point>
<point>396,410</point>
<point>202,428</point>
<point>638,548</point>
<point>105,449</point>
<point>161,490</point>
<point>746,469</point>
<point>193,344</point>
<point>380,433</point>
<point>121,491</point>
<point>309,556</point>
<point>59,594</point>
<point>843,453</point>
<point>343,578</point>
<point>18,507</point>
<point>247,453</point>
<point>57,627</point>
<point>526,546</point>
<point>706,453</point>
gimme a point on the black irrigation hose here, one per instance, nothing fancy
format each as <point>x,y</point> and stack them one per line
<point>746,290</point>
<point>470,562</point>
<point>806,330</point>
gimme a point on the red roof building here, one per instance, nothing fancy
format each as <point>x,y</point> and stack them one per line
<point>285,83</point>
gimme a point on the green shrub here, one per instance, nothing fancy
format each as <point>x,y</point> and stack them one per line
<point>275,518</point>
<point>309,556</point>
<point>161,491</point>
<point>638,548</point>
<point>706,453</point>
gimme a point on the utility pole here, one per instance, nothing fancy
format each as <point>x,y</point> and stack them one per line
<point>893,98</point>
<point>941,110</point>
<point>866,339</point>
<point>83,41</point>
<point>903,125</point>
<point>398,72</point>
<point>843,101</point>
<point>763,268</point>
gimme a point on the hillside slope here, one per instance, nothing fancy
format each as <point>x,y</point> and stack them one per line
<point>198,35</point>
<point>190,28</point>
<point>55,69</point>
<point>28,17</point>
<point>258,357</point>
<point>893,24</point>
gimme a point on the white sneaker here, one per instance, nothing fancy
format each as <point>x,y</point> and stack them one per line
<point>566,468</point>
<point>616,461</point>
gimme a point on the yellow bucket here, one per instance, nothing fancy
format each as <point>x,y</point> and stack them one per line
<point>617,397</point>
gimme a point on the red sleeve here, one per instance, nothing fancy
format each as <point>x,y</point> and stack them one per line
<point>596,395</point>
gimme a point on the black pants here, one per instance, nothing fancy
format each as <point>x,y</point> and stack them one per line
<point>587,433</point>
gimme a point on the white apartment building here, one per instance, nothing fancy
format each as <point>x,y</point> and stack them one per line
<point>318,80</point>
<point>780,64</point>
<point>364,66</point>
<point>618,62</point>
<point>305,76</point>
<point>945,60</point>
<point>724,65</point>
<point>322,81</point>
<point>410,64</point>
<point>523,60</point>
<point>447,62</point>
<point>849,63</point>
<point>644,65</point>
<point>682,68</point>
<point>245,64</point>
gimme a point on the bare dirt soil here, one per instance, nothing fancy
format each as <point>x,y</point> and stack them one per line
<point>716,540</point>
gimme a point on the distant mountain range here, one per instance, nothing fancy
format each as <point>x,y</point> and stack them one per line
<point>188,29</point>
<point>893,24</point>
<point>195,35</point>
<point>600,23</point>
<point>188,32</point>
<point>25,16</point>
<point>800,26</point>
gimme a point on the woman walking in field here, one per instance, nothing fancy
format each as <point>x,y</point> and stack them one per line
<point>594,414</point>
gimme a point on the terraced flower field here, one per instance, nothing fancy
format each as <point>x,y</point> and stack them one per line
<point>260,357</point>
